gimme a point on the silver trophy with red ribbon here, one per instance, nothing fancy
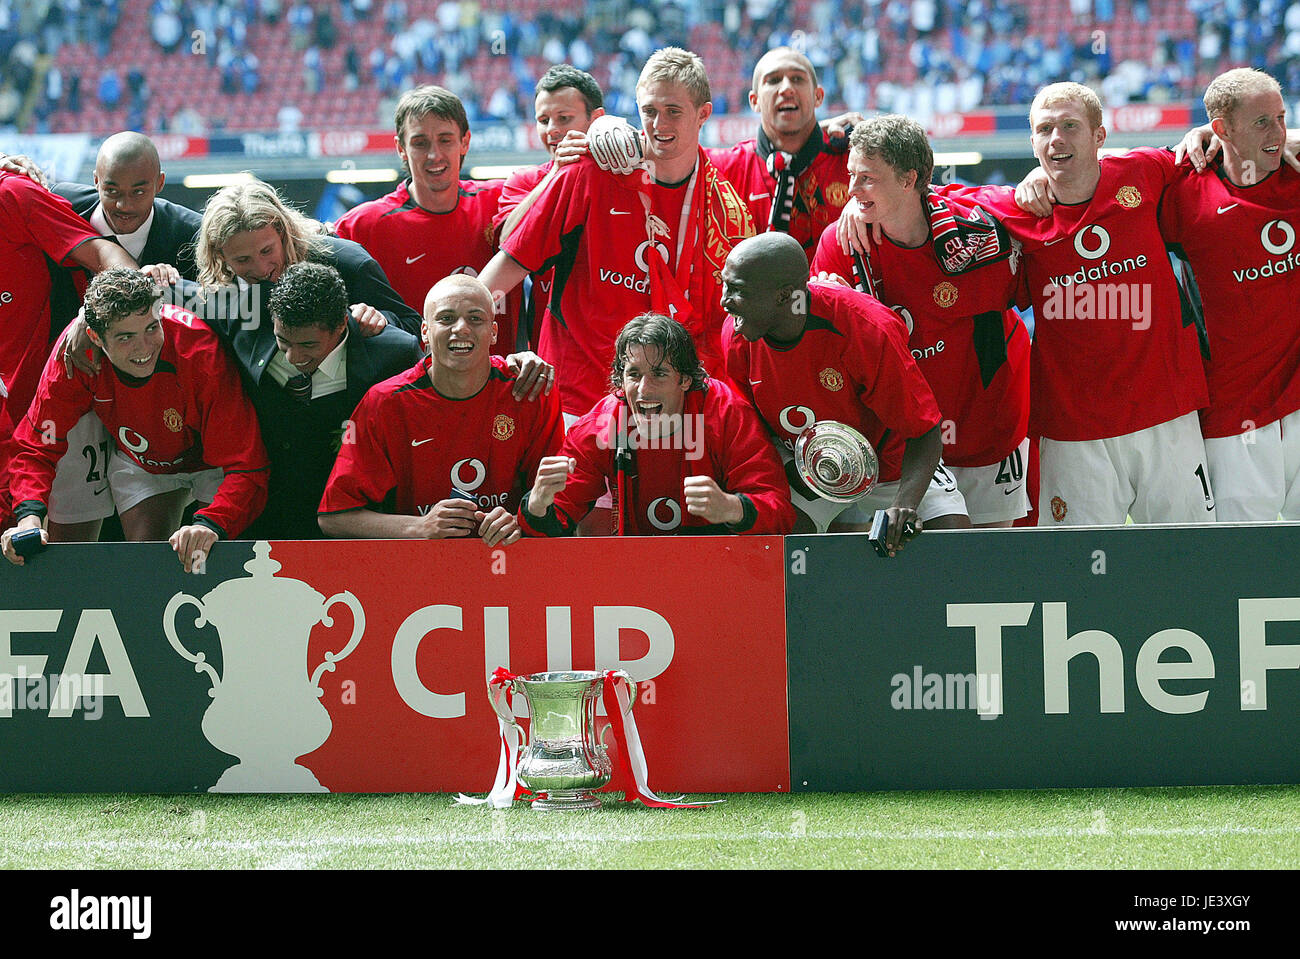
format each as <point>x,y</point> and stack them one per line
<point>563,762</point>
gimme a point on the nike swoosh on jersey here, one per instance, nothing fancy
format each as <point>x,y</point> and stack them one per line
<point>613,212</point>
<point>759,196</point>
<point>1014,489</point>
<point>755,382</point>
<point>412,259</point>
<point>1051,242</point>
<point>1225,209</point>
<point>421,442</point>
<point>99,400</point>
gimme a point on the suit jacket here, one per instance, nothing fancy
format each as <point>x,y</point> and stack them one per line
<point>302,439</point>
<point>171,240</point>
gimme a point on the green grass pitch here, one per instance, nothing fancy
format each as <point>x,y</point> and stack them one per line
<point>1229,827</point>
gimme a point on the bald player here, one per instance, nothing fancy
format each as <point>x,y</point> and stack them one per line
<point>445,449</point>
<point>807,351</point>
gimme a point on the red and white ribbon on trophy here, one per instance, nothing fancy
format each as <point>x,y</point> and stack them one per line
<point>506,788</point>
<point>617,698</point>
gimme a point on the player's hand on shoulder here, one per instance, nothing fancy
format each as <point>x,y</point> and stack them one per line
<point>571,149</point>
<point>77,349</point>
<point>24,166</point>
<point>1198,146</point>
<point>369,320</point>
<point>552,473</point>
<point>449,518</point>
<point>841,126</point>
<point>854,231</point>
<point>1034,193</point>
<point>192,545</point>
<point>826,277</point>
<point>1291,149</point>
<point>499,527</point>
<point>615,144</point>
<point>533,375</point>
<point>707,500</point>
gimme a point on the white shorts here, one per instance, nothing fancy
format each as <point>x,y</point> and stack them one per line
<point>996,493</point>
<point>1156,475</point>
<point>80,492</point>
<point>1256,476</point>
<point>133,484</point>
<point>941,499</point>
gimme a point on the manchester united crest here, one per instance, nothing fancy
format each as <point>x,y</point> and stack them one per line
<point>945,294</point>
<point>173,420</point>
<point>503,427</point>
<point>1128,197</point>
<point>837,194</point>
<point>1059,509</point>
<point>831,379</point>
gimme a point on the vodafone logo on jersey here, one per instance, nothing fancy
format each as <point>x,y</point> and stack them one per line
<point>1277,230</point>
<point>641,253</point>
<point>657,510</point>
<point>796,419</point>
<point>468,475</point>
<point>465,270</point>
<point>1091,248</point>
<point>132,440</point>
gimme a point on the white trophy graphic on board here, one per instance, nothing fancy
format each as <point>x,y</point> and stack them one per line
<point>265,708</point>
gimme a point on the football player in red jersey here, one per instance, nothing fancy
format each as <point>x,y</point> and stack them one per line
<point>680,452</point>
<point>1108,323</point>
<point>793,174</point>
<point>622,244</point>
<point>804,352</point>
<point>435,223</point>
<point>1236,223</point>
<point>950,271</point>
<point>445,448</point>
<point>567,99</point>
<point>173,402</point>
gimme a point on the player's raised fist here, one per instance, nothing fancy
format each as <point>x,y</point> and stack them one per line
<point>552,473</point>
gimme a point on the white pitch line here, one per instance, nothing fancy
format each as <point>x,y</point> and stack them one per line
<point>504,837</point>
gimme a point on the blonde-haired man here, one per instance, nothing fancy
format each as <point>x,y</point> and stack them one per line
<point>621,244</point>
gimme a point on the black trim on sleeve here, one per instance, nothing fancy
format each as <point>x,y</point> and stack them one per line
<point>30,507</point>
<point>748,518</point>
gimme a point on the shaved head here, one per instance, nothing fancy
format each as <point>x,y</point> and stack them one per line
<point>776,55</point>
<point>771,259</point>
<point>765,287</point>
<point>127,148</point>
<point>456,284</point>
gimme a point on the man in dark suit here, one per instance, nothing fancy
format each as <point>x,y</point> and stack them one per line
<point>124,206</point>
<point>306,371</point>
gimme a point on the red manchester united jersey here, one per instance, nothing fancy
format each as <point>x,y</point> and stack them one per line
<point>851,364</point>
<point>190,414</point>
<point>37,223</point>
<point>1107,319</point>
<point>820,191</point>
<point>973,350</point>
<point>417,247</point>
<point>591,227</point>
<point>413,446</point>
<point>721,437</point>
<point>517,187</point>
<point>1241,243</point>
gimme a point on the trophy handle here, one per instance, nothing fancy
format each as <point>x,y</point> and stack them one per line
<point>496,696</point>
<point>358,627</point>
<point>632,689</point>
<point>169,628</point>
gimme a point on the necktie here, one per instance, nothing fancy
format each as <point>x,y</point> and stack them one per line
<point>299,387</point>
